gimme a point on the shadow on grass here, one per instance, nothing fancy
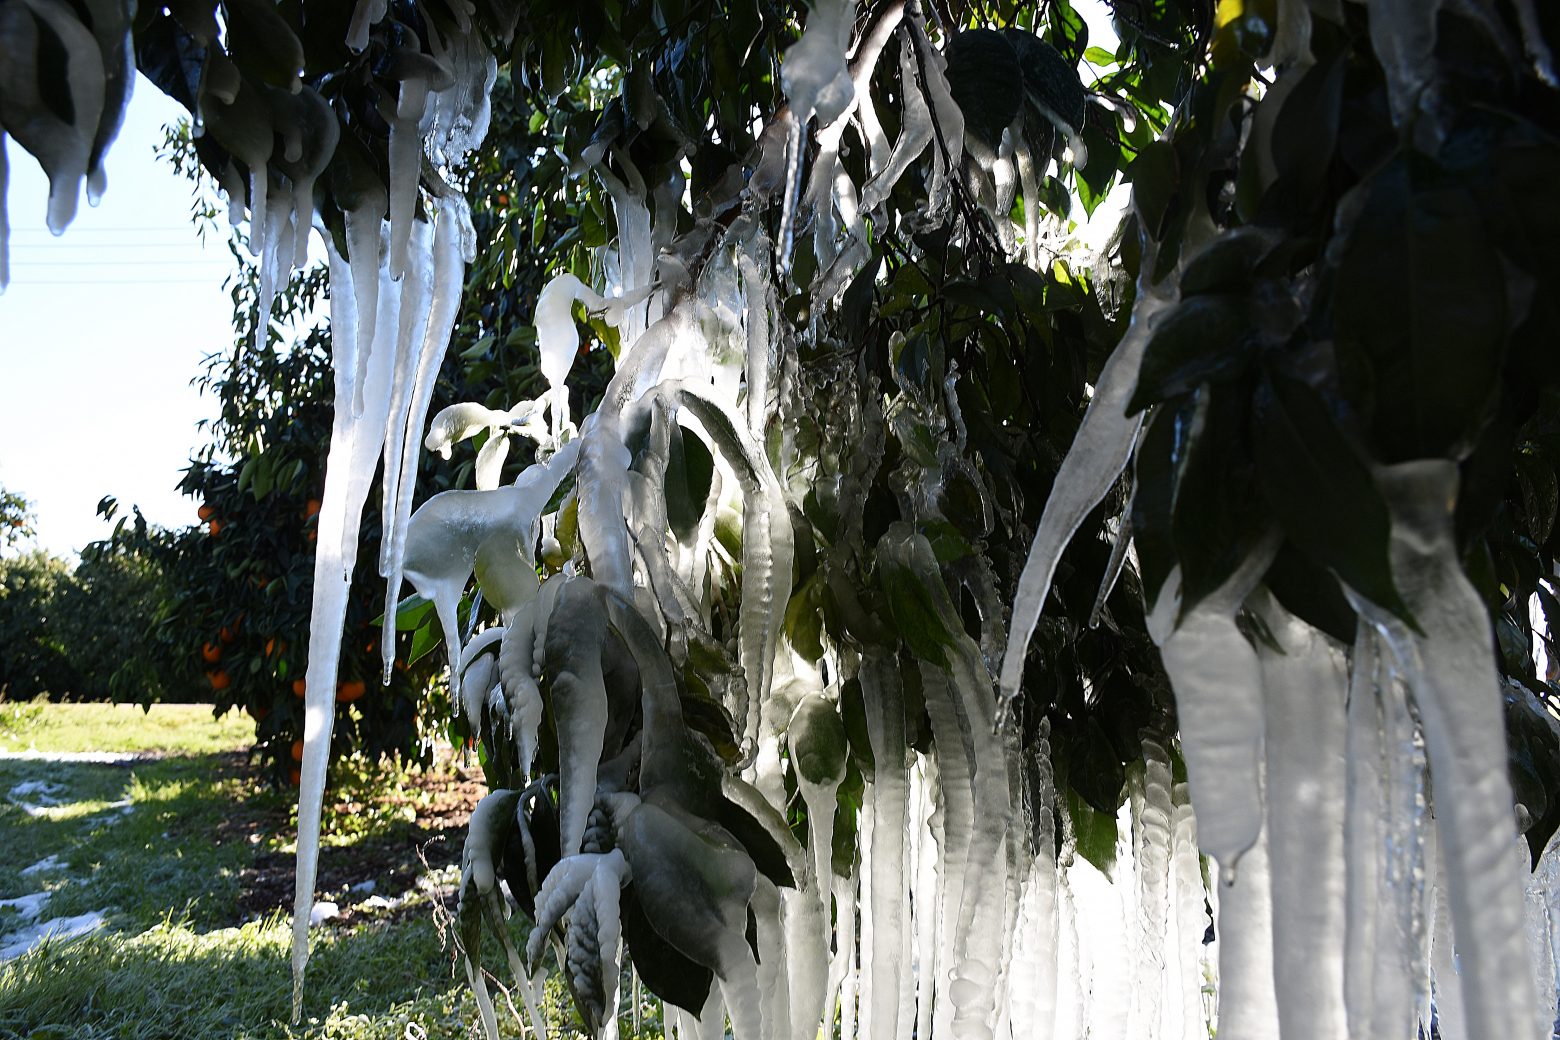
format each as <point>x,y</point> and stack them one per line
<point>173,981</point>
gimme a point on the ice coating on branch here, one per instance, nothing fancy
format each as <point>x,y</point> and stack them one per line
<point>1403,35</point>
<point>63,146</point>
<point>813,71</point>
<point>1096,457</point>
<point>447,537</point>
<point>1304,689</point>
<point>915,130</point>
<point>1450,671</point>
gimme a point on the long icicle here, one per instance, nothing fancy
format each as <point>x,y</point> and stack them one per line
<point>1450,669</point>
<point>1097,456</point>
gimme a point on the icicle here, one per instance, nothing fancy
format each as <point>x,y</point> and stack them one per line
<point>111,27</point>
<point>276,265</point>
<point>1401,976</point>
<point>365,15</point>
<point>1364,834</point>
<point>1029,176</point>
<point>1191,919</point>
<point>926,896</point>
<point>890,804</point>
<point>1304,692</point>
<point>1248,1005</point>
<point>349,470</point>
<point>1450,670</point>
<point>63,148</point>
<point>1093,462</point>
<point>415,289</point>
<point>405,157</point>
<point>914,135</point>
<point>1450,1022</point>
<point>259,220</point>
<point>1118,560</point>
<point>1218,692</point>
<point>773,982</point>
<point>1540,953</point>
<point>450,240</point>
<point>365,249</point>
<point>5,224</point>
<point>1153,835</point>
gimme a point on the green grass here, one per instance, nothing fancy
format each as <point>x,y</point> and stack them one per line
<point>186,728</point>
<point>176,958</point>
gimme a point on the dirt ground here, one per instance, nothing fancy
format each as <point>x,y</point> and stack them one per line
<point>393,858</point>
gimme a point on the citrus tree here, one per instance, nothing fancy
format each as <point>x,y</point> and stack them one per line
<point>909,543</point>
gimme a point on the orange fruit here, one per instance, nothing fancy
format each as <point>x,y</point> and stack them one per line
<point>228,633</point>
<point>275,647</point>
<point>214,526</point>
<point>211,653</point>
<point>311,508</point>
<point>295,777</point>
<point>348,692</point>
<point>206,512</point>
<point>219,679</point>
<point>299,687</point>
<point>259,714</point>
<point>297,751</point>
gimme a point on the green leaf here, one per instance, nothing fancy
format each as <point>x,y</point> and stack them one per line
<point>1229,262</point>
<point>1099,56</point>
<point>1321,491</point>
<point>804,619</point>
<point>1094,831</point>
<point>1311,593</point>
<point>917,599</point>
<point>1155,176</point>
<point>1218,516</point>
<point>1094,770</point>
<point>1066,30</point>
<point>986,82</point>
<point>1421,297</point>
<point>666,972</point>
<point>1201,339</point>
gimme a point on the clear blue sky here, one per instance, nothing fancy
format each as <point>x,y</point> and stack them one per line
<point>101,332</point>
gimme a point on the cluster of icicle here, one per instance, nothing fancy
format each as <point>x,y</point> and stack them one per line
<point>394,299</point>
<point>1353,898</point>
<point>959,915</point>
<point>1353,801</point>
<point>66,71</point>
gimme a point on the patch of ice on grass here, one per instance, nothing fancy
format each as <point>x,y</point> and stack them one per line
<point>35,797</point>
<point>58,928</point>
<point>29,906</point>
<point>101,758</point>
<point>44,865</point>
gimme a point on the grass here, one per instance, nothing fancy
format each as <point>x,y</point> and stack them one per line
<point>184,728</point>
<point>167,847</point>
